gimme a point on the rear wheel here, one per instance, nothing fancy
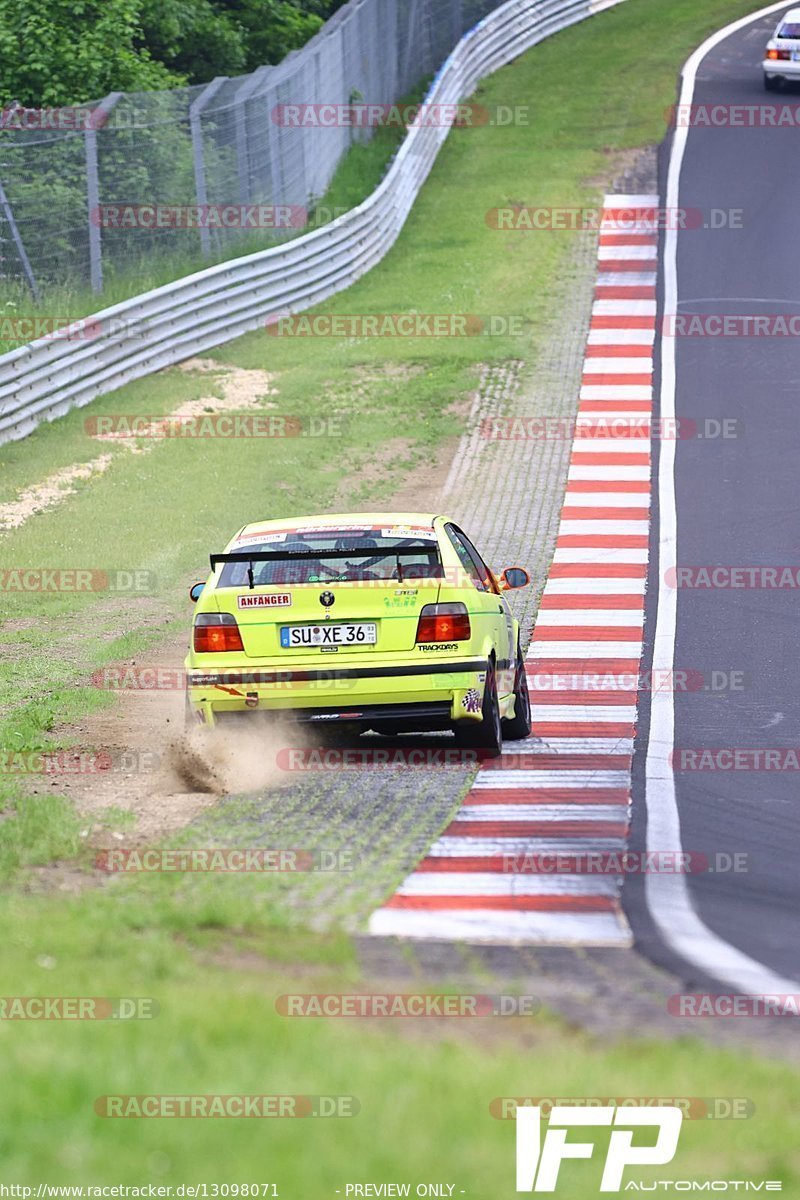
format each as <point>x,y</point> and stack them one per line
<point>519,726</point>
<point>485,735</point>
<point>772,83</point>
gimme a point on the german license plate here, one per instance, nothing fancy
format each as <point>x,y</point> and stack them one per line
<point>363,633</point>
<point>796,56</point>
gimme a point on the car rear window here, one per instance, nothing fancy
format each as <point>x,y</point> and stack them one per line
<point>390,554</point>
<point>790,30</point>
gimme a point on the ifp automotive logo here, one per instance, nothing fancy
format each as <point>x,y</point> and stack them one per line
<point>539,1159</point>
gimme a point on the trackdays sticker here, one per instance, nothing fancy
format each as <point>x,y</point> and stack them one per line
<point>260,537</point>
<point>417,531</point>
<point>266,600</point>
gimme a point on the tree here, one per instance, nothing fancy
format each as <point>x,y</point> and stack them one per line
<point>57,52</point>
<point>273,27</point>
<point>204,38</point>
<point>196,38</point>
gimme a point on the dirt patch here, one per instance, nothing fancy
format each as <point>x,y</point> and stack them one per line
<point>429,479</point>
<point>138,731</point>
<point>241,388</point>
<point>162,774</point>
<point>424,486</point>
<point>388,370</point>
<point>57,877</point>
<point>51,491</point>
<point>420,489</point>
<point>633,171</point>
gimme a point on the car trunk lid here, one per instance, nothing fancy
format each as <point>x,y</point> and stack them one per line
<point>334,592</point>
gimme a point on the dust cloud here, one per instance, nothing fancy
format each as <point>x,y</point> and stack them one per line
<point>235,757</point>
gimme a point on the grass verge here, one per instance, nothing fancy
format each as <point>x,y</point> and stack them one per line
<point>426,1083</point>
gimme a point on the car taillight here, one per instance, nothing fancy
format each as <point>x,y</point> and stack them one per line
<point>215,633</point>
<point>782,54</point>
<point>443,623</point>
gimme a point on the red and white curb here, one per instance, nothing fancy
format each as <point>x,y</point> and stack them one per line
<point>566,791</point>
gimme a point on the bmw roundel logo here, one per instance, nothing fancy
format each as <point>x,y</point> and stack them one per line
<point>326,599</point>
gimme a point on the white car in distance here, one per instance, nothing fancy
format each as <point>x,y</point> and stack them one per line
<point>782,57</point>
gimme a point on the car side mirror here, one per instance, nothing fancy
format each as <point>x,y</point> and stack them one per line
<point>195,591</point>
<point>513,577</point>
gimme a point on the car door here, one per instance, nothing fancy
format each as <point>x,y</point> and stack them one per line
<point>490,603</point>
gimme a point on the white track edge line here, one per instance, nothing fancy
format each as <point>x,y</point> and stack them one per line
<point>668,897</point>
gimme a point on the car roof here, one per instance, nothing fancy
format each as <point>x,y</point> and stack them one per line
<point>337,520</point>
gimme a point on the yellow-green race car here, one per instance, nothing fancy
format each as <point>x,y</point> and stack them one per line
<point>384,621</point>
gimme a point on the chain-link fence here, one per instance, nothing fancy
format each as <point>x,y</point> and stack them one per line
<point>211,170</point>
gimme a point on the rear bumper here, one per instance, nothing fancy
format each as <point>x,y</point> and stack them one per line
<point>414,694</point>
<point>783,68</point>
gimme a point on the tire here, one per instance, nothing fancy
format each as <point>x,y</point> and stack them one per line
<point>485,735</point>
<point>772,83</point>
<point>519,726</point>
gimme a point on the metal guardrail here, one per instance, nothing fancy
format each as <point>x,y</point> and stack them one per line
<point>48,377</point>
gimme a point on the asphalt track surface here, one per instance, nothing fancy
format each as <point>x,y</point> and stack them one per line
<point>737,504</point>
